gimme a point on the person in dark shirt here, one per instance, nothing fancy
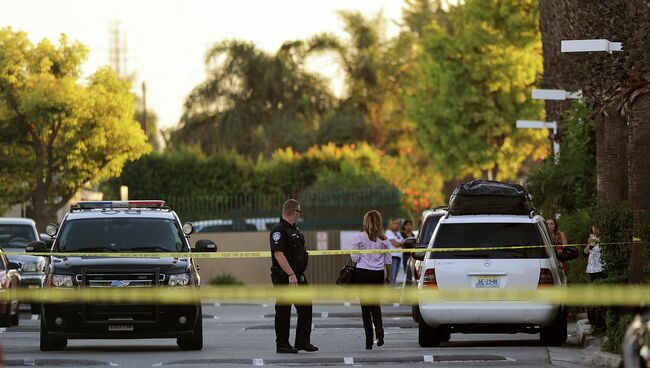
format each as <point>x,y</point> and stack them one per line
<point>290,258</point>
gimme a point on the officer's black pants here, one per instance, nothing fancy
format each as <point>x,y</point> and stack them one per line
<point>283,320</point>
<point>371,314</point>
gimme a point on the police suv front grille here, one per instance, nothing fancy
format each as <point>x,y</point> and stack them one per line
<point>119,279</point>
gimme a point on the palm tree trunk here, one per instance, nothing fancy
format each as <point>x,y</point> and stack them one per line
<point>639,176</point>
<point>615,155</point>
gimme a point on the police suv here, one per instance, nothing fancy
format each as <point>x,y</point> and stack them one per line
<point>124,226</point>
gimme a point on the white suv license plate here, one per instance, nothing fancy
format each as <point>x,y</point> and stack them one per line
<point>487,282</point>
<point>120,328</point>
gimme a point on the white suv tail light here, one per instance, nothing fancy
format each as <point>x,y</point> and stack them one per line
<point>429,279</point>
<point>545,278</point>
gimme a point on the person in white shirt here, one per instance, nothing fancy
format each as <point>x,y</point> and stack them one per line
<point>595,267</point>
<point>393,235</point>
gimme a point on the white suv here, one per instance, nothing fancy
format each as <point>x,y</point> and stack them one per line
<point>509,269</point>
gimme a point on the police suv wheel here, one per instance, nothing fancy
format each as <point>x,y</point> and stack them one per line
<point>5,319</point>
<point>15,319</point>
<point>49,343</point>
<point>196,341</point>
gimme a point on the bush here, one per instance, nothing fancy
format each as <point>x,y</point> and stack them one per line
<point>570,184</point>
<point>615,223</point>
<point>576,225</point>
<point>617,323</point>
<point>225,279</point>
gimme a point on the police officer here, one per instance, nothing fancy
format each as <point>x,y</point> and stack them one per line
<point>289,264</point>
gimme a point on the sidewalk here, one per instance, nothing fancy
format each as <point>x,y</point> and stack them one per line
<point>582,335</point>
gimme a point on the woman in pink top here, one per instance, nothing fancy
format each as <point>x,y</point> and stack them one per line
<point>372,269</point>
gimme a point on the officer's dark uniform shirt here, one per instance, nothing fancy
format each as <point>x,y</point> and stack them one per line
<point>288,239</point>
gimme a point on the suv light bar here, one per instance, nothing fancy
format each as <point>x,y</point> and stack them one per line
<point>118,204</point>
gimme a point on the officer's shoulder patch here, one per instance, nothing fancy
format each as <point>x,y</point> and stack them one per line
<point>276,236</point>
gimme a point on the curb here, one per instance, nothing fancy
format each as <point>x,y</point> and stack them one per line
<point>583,331</point>
<point>600,358</point>
<point>604,359</point>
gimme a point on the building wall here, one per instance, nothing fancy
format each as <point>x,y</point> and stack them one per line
<point>256,271</point>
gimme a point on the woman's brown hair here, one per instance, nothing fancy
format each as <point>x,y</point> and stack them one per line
<point>372,225</point>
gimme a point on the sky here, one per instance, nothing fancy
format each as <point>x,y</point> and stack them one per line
<point>166,40</point>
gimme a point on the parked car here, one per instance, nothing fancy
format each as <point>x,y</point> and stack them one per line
<point>509,269</point>
<point>9,283</point>
<point>121,226</point>
<point>428,223</point>
<point>230,225</point>
<point>15,234</point>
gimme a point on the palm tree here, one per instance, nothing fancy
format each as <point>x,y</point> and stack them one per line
<point>375,70</point>
<point>254,102</point>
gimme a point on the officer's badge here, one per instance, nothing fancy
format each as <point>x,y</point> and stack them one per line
<point>276,236</point>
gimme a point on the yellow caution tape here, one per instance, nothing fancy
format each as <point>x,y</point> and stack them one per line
<point>619,295</point>
<point>267,254</point>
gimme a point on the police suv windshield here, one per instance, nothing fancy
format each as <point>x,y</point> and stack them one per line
<point>121,235</point>
<point>16,235</point>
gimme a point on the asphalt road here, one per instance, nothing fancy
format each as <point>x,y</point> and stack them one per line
<point>242,335</point>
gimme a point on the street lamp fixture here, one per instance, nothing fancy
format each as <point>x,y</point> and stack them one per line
<point>555,94</point>
<point>600,45</point>
<point>538,124</point>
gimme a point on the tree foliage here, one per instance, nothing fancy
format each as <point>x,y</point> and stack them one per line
<point>474,80</point>
<point>56,133</point>
<point>570,184</point>
<point>376,69</point>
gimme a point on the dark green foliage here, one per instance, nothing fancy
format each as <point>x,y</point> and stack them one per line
<point>186,172</point>
<point>644,235</point>
<point>225,279</point>
<point>617,323</point>
<point>345,125</point>
<point>570,184</point>
<point>333,182</point>
<point>576,226</point>
<point>615,223</point>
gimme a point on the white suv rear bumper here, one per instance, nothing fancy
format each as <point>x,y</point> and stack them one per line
<point>488,313</point>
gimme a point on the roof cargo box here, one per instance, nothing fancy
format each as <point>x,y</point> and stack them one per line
<point>487,197</point>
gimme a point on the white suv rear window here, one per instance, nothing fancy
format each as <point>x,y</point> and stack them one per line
<point>488,235</point>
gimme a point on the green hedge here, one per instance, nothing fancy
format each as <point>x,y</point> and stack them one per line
<point>615,223</point>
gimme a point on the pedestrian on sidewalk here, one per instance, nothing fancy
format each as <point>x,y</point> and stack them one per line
<point>559,239</point>
<point>595,267</point>
<point>407,232</point>
<point>372,269</point>
<point>396,240</point>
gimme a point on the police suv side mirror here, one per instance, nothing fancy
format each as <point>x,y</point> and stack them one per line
<point>409,243</point>
<point>48,240</point>
<point>420,255</point>
<point>568,254</point>
<point>205,245</point>
<point>37,247</point>
<point>13,266</point>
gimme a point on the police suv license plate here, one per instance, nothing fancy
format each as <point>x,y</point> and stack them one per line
<point>120,328</point>
<point>487,282</point>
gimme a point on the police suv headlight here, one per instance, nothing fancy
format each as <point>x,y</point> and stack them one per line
<point>29,267</point>
<point>181,279</point>
<point>61,281</point>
